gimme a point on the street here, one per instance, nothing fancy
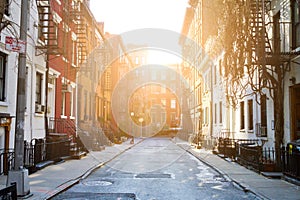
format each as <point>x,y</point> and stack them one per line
<point>155,168</point>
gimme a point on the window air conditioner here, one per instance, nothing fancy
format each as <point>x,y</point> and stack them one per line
<point>39,108</point>
<point>66,88</point>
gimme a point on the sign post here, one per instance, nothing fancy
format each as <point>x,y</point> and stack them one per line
<point>19,174</point>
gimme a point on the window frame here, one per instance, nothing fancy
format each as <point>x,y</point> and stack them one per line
<point>263,115</point>
<point>295,24</point>
<point>220,113</point>
<point>3,68</point>
<point>242,115</point>
<point>38,87</point>
<point>250,115</point>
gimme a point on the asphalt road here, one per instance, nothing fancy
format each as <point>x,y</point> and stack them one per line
<point>155,169</point>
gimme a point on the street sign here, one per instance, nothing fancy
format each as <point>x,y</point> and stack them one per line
<point>16,45</point>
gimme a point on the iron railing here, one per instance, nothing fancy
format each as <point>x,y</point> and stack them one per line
<point>290,163</point>
<point>249,153</point>
<point>10,192</point>
<point>58,125</point>
<point>7,159</point>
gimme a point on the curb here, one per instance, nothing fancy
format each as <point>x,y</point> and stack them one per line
<point>64,186</point>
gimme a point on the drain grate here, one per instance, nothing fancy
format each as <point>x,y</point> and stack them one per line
<point>153,175</point>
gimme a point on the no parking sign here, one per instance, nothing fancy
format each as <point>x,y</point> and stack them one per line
<point>16,45</point>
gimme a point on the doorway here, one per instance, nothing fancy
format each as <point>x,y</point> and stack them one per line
<point>295,112</point>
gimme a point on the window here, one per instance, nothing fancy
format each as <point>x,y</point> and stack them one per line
<point>55,31</point>
<point>163,117</point>
<point>137,60</point>
<point>242,115</point>
<point>74,52</point>
<point>173,103</point>
<point>163,102</point>
<point>206,116</point>
<point>73,102</point>
<point>221,113</point>
<point>85,100</point>
<point>215,115</point>
<point>215,74</point>
<point>295,24</point>
<point>250,114</point>
<point>263,114</point>
<point>276,32</point>
<point>38,88</point>
<point>2,76</point>
<point>63,103</point>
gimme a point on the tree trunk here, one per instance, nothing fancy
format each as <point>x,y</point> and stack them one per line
<point>278,115</point>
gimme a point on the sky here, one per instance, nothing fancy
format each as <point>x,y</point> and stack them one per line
<point>126,15</point>
<point>121,16</point>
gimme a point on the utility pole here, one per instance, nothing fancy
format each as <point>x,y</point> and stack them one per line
<point>19,174</point>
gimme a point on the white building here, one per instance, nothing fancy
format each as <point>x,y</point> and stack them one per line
<point>251,114</point>
<point>35,69</point>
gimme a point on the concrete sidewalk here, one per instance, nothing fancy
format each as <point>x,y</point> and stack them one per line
<point>55,178</point>
<point>265,188</point>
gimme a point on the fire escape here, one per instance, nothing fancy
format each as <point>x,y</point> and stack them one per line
<point>270,47</point>
<point>79,13</point>
<point>267,50</point>
<point>47,29</point>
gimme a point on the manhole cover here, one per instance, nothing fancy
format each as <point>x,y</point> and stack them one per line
<point>153,176</point>
<point>97,183</point>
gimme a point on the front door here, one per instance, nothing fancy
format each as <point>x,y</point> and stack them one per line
<point>295,113</point>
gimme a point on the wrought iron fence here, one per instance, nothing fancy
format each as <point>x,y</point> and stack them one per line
<point>38,151</point>
<point>34,153</point>
<point>290,162</point>
<point>7,159</point>
<point>250,153</point>
<point>9,193</point>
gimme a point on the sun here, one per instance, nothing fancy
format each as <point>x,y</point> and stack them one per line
<point>161,57</point>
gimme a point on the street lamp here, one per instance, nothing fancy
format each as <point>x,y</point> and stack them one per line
<point>141,121</point>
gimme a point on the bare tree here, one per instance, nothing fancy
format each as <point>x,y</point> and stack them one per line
<point>245,65</point>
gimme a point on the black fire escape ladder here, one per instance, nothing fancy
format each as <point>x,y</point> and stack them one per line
<point>263,50</point>
<point>78,11</point>
<point>47,29</point>
<point>260,42</point>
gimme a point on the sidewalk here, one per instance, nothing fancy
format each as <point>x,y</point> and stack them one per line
<point>53,179</point>
<point>264,187</point>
